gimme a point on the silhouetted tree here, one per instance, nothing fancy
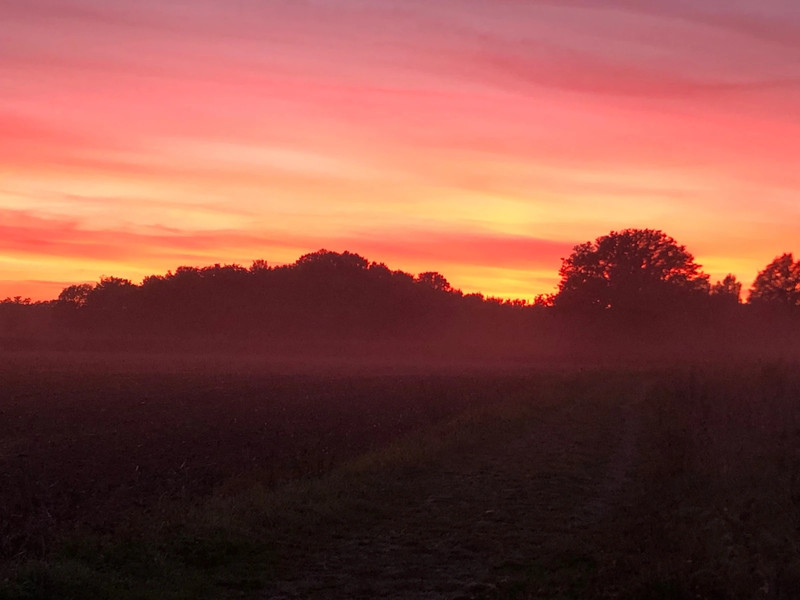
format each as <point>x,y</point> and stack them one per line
<point>380,271</point>
<point>110,299</point>
<point>778,284</point>
<point>629,270</point>
<point>727,290</point>
<point>327,260</point>
<point>435,281</point>
<point>17,301</point>
<point>75,296</point>
<point>632,275</point>
<point>112,286</point>
<point>544,300</point>
<point>259,266</point>
<point>516,302</point>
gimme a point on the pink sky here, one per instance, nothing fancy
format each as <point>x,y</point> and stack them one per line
<point>482,139</point>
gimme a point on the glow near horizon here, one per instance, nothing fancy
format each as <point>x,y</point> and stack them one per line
<point>479,139</point>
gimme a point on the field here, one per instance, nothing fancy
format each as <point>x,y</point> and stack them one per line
<point>199,479</point>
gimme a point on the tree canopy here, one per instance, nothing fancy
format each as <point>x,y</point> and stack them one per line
<point>323,293</point>
<point>629,270</point>
<point>778,284</point>
<point>632,275</point>
<point>634,280</point>
<point>728,289</point>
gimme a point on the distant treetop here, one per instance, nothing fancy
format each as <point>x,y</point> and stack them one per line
<point>629,269</point>
<point>778,284</point>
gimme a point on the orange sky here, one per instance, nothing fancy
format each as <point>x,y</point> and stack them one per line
<point>482,139</point>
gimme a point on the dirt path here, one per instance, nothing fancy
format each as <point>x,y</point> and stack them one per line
<point>474,523</point>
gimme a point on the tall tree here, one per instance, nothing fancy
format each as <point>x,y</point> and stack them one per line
<point>75,295</point>
<point>628,270</point>
<point>435,281</point>
<point>778,284</point>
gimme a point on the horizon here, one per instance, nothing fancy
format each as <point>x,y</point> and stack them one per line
<point>745,292</point>
<point>481,140</point>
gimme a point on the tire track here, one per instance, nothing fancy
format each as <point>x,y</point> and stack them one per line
<point>454,528</point>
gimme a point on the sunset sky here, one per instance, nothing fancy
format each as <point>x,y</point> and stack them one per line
<point>478,138</point>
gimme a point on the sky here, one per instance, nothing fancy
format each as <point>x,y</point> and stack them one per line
<point>481,139</point>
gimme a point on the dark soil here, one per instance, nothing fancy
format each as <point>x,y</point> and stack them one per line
<point>669,483</point>
<point>80,448</point>
<point>518,501</point>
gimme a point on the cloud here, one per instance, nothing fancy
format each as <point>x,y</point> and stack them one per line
<point>23,234</point>
<point>447,247</point>
<point>26,234</point>
<point>140,135</point>
<point>523,66</point>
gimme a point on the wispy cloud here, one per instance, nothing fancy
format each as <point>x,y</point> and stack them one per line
<point>23,233</point>
<point>470,134</point>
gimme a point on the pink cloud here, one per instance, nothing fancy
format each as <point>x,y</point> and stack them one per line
<point>24,235</point>
<point>373,110</point>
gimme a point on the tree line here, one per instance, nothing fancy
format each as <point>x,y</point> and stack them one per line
<point>324,293</point>
<point>633,275</point>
